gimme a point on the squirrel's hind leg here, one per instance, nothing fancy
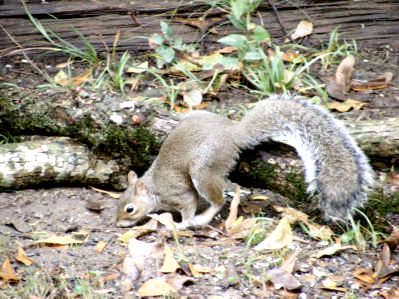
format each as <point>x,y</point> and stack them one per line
<point>187,211</point>
<point>210,187</point>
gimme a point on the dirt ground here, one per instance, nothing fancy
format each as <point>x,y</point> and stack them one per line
<point>235,268</point>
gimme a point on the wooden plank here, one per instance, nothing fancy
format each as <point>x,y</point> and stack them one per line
<point>375,22</point>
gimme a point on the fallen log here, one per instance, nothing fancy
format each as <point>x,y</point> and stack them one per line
<point>108,135</point>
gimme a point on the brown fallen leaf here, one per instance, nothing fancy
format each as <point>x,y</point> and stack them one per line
<point>364,276</point>
<point>380,82</point>
<point>196,269</point>
<point>7,273</point>
<point>170,264</point>
<point>22,257</point>
<point>156,287</point>
<point>346,106</point>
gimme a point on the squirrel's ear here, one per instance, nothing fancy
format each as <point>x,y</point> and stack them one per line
<point>140,187</point>
<point>132,178</point>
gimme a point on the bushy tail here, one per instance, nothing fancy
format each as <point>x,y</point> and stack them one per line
<point>336,169</point>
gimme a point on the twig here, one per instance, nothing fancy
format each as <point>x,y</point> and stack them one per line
<point>10,203</point>
<point>279,20</point>
<point>34,65</point>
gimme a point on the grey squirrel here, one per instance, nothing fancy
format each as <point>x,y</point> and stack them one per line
<point>196,157</point>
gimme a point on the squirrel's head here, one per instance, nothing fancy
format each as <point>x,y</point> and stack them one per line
<point>135,202</point>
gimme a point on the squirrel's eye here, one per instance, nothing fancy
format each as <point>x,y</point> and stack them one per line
<point>129,208</point>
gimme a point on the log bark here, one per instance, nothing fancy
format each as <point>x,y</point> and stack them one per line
<point>109,135</point>
<point>374,22</point>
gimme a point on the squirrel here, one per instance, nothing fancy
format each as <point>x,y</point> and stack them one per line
<point>197,156</point>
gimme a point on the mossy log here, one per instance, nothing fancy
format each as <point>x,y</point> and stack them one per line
<point>108,135</point>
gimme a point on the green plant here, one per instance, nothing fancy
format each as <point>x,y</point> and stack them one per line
<point>90,55</point>
<point>337,49</point>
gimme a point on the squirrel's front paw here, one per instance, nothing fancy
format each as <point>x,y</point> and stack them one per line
<point>186,224</point>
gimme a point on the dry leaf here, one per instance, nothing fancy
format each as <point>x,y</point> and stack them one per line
<point>346,106</point>
<point>170,264</point>
<point>64,64</point>
<point>156,287</point>
<point>330,284</point>
<point>138,69</point>
<point>78,80</point>
<point>199,23</point>
<point>7,273</point>
<point>321,232</point>
<point>138,231</point>
<point>241,228</point>
<point>364,276</point>
<point>197,269</point>
<point>283,279</point>
<point>22,257</point>
<point>100,246</point>
<point>112,194</point>
<point>76,238</point>
<point>333,249</point>
<point>293,215</point>
<point>378,83</point>
<point>233,210</point>
<point>303,29</point>
<point>289,263</point>
<point>280,237</point>
<point>165,219</point>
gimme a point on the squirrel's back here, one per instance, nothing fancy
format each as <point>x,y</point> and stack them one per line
<point>336,169</point>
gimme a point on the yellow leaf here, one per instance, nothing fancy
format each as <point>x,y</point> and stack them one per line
<point>101,245</point>
<point>78,238</point>
<point>346,106</point>
<point>260,197</point>
<point>196,269</point>
<point>156,287</point>
<point>170,265</point>
<point>22,257</point>
<point>7,273</point>
<point>78,80</point>
<point>139,231</point>
<point>280,237</point>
